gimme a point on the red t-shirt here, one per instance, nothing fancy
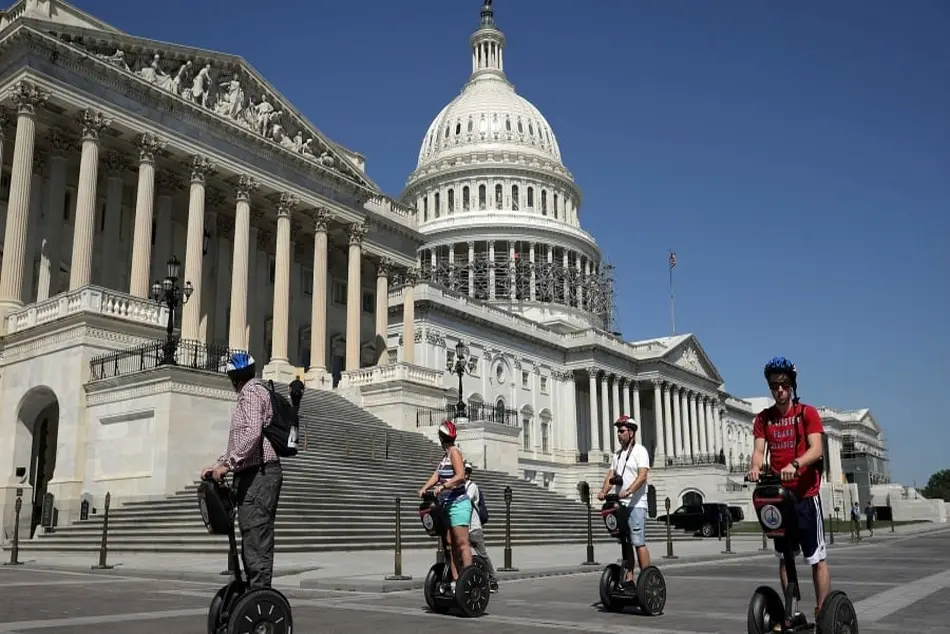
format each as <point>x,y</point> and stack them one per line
<point>780,433</point>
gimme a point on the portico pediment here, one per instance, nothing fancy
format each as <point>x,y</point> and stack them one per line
<point>690,356</point>
<point>223,85</point>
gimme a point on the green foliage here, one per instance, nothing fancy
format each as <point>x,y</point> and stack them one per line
<point>938,487</point>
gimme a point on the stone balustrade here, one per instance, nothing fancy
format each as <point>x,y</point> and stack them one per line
<point>395,372</point>
<point>88,299</point>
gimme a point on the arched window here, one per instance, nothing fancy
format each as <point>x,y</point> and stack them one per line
<point>438,205</point>
<point>451,200</point>
<point>481,196</point>
<point>531,198</point>
<point>555,205</point>
<point>499,196</point>
<point>514,197</point>
<point>465,199</point>
<point>544,202</point>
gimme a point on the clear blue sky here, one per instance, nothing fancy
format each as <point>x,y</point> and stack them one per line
<point>796,156</point>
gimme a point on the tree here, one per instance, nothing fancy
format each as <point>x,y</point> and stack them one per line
<point>938,487</point>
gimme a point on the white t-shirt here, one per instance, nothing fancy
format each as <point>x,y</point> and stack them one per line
<point>471,489</point>
<point>628,462</point>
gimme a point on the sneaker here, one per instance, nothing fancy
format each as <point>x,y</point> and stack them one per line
<point>493,586</point>
<point>451,587</point>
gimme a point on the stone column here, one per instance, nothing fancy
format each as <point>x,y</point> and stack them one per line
<point>34,224</point>
<point>51,251</point>
<point>409,315</point>
<point>148,145</point>
<point>471,269</point>
<point>491,269</point>
<point>605,421</point>
<point>701,424</point>
<point>685,440</point>
<point>201,168</point>
<point>383,269</point>
<point>237,328</point>
<point>27,98</point>
<point>625,390</point>
<point>318,308</point>
<point>667,415</point>
<point>594,426</point>
<point>108,253</point>
<point>676,396</point>
<point>354,295</point>
<point>693,425</point>
<point>80,269</point>
<point>719,412</point>
<point>281,319</point>
<point>710,432</point>
<point>615,394</point>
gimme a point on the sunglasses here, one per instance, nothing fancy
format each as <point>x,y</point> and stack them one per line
<point>780,385</point>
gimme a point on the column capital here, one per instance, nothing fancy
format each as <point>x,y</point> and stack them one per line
<point>410,276</point>
<point>115,163</point>
<point>384,268</point>
<point>246,186</point>
<point>92,123</point>
<point>286,204</point>
<point>356,231</point>
<point>623,381</point>
<point>201,169</point>
<point>635,384</point>
<point>665,385</point>
<point>592,372</point>
<point>149,145</point>
<point>321,217</point>
<point>28,97</point>
<point>61,142</point>
<point>40,156</point>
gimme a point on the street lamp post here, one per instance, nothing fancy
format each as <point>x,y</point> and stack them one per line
<point>168,292</point>
<point>460,368</point>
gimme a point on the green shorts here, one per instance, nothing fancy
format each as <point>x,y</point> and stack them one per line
<point>459,512</point>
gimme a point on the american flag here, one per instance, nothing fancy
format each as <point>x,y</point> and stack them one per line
<point>672,259</point>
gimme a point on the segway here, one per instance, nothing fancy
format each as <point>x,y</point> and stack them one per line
<point>471,593</point>
<point>236,609</point>
<point>649,591</point>
<point>776,508</point>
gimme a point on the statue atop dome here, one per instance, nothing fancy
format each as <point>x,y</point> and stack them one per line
<point>487,15</point>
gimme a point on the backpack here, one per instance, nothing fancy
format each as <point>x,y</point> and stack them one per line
<point>481,508</point>
<point>818,465</point>
<point>284,426</point>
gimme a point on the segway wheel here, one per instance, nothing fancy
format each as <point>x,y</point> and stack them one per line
<point>837,615</point>
<point>471,591</point>
<point>431,589</point>
<point>261,610</point>
<point>214,611</point>
<point>766,610</point>
<point>651,591</point>
<point>609,582</point>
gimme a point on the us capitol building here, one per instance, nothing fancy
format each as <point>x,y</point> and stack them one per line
<point>121,153</point>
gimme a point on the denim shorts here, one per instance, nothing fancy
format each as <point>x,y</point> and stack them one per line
<point>459,512</point>
<point>637,519</point>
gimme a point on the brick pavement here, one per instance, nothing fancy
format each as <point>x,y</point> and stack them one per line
<point>898,584</point>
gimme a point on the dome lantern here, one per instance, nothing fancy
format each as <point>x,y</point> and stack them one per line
<point>488,45</point>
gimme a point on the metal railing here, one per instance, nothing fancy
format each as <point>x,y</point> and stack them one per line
<point>482,412</point>
<point>194,355</point>
<point>695,460</point>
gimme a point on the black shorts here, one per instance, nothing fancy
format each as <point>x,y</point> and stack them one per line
<point>811,532</point>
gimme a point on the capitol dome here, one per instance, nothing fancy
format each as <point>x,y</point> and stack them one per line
<point>499,209</point>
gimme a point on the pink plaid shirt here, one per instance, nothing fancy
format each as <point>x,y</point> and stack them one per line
<point>252,411</point>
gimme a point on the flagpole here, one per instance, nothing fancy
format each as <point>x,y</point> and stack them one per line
<point>672,297</point>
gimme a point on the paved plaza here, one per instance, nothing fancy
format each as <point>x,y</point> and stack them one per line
<point>899,583</point>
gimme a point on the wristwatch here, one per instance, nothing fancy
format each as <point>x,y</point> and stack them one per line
<point>796,465</point>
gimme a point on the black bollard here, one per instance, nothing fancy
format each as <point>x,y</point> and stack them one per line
<point>397,562</point>
<point>831,525</point>
<point>585,496</point>
<point>669,532</point>
<point>728,550</point>
<point>104,547</point>
<point>765,545</point>
<point>507,567</point>
<point>890,511</point>
<point>15,549</point>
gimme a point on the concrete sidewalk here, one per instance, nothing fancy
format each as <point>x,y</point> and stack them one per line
<point>367,570</point>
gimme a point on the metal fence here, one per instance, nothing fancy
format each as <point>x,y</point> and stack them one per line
<point>482,412</point>
<point>194,355</point>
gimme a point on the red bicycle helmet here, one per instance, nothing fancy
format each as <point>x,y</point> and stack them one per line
<point>447,429</point>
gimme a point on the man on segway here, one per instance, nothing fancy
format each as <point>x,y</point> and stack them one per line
<point>632,463</point>
<point>793,432</point>
<point>257,472</point>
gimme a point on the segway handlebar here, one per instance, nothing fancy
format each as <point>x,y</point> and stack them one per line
<point>766,479</point>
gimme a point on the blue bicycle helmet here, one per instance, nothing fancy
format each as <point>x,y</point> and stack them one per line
<point>240,364</point>
<point>781,365</point>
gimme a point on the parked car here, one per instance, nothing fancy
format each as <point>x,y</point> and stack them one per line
<point>709,518</point>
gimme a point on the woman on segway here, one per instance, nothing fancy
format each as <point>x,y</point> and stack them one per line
<point>449,481</point>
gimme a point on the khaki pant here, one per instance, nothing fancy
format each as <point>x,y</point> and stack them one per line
<point>477,541</point>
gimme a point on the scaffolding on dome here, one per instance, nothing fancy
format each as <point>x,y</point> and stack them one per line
<point>553,282</point>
